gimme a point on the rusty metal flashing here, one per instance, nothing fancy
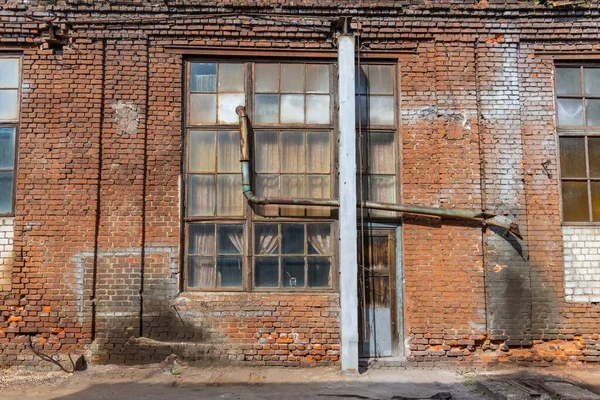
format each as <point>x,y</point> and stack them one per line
<point>484,218</point>
<point>283,53</point>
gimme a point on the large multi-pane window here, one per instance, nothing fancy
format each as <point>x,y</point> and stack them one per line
<point>578,120</point>
<point>229,244</point>
<point>10,83</point>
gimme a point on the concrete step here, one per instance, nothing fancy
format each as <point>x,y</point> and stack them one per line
<point>533,389</point>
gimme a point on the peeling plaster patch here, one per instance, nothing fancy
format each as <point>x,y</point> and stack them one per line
<point>127,117</point>
<point>499,267</point>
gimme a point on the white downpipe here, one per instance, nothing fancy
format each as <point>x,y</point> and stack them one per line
<point>347,212</point>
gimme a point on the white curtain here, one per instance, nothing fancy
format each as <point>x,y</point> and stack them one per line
<point>320,239</point>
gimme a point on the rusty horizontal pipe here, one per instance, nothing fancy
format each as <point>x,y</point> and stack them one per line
<point>484,218</point>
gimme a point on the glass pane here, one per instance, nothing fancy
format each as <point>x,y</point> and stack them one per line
<point>200,272</point>
<point>267,108</point>
<point>318,152</point>
<point>596,201</point>
<point>266,78</point>
<point>361,109</point>
<point>201,195</point>
<point>267,185</point>
<point>6,191</point>
<point>230,200</point>
<point>381,110</point>
<point>570,112</point>
<point>568,81</point>
<point>292,78</point>
<point>575,202</point>
<point>363,78</point>
<point>267,152</point>
<point>203,77</point>
<point>382,188</point>
<point>203,108</point>
<point>227,105</point>
<point>572,157</point>
<point>318,186</point>
<point>594,154</point>
<point>231,78</point>
<point>292,239</point>
<point>229,272</point>
<point>592,112</point>
<point>293,271</point>
<point>201,157</point>
<point>381,79</point>
<point>319,272</point>
<point>266,239</point>
<point>317,78</point>
<point>230,239</point>
<point>7,147</point>
<point>292,108</point>
<point>293,185</point>
<point>591,80</point>
<point>292,152</point>
<point>8,105</point>
<point>319,239</point>
<point>201,239</point>
<point>266,272</point>
<point>9,73</point>
<point>381,154</point>
<point>317,109</point>
<point>229,151</point>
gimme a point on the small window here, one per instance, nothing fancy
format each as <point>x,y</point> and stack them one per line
<point>578,120</point>
<point>9,116</point>
<point>292,256</point>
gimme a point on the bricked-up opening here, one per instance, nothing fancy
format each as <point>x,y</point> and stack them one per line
<point>229,245</point>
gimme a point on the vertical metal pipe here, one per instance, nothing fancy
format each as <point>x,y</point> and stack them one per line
<point>347,212</point>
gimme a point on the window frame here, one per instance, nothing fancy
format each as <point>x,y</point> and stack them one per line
<point>583,131</point>
<point>250,217</point>
<point>16,125</point>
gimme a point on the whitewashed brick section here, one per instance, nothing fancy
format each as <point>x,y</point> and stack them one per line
<point>7,233</point>
<point>581,256</point>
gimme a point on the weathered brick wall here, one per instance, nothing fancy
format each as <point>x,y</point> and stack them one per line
<point>96,251</point>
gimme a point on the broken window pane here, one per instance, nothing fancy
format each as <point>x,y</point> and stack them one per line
<point>317,109</point>
<point>267,108</point>
<point>319,272</point>
<point>267,152</point>
<point>201,157</point>
<point>293,271</point>
<point>592,112</point>
<point>292,108</point>
<point>381,79</point>
<point>9,73</point>
<point>317,78</point>
<point>591,81</point>
<point>231,78</point>
<point>229,151</point>
<point>230,239</point>
<point>266,272</point>
<point>230,199</point>
<point>203,77</point>
<point>292,152</point>
<point>203,108</point>
<point>570,112</point>
<point>229,272</point>
<point>572,157</point>
<point>227,104</point>
<point>8,105</point>
<point>6,194</point>
<point>381,110</point>
<point>266,239</point>
<point>318,152</point>
<point>201,195</point>
<point>266,78</point>
<point>200,272</point>
<point>7,147</point>
<point>292,239</point>
<point>201,239</point>
<point>575,201</point>
<point>568,81</point>
<point>292,78</point>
